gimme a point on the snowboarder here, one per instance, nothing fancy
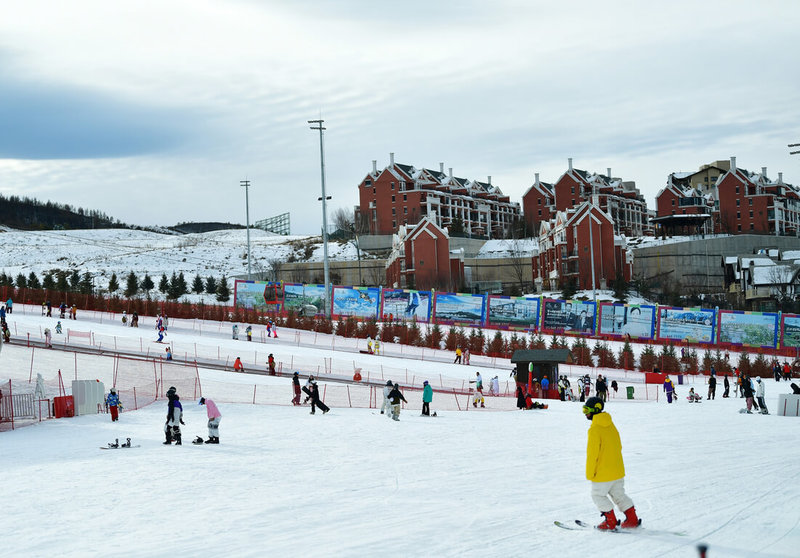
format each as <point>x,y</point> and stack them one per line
<point>271,364</point>
<point>237,365</point>
<point>669,389</point>
<point>58,327</point>
<point>387,389</point>
<point>395,396</point>
<point>580,388</point>
<point>369,345</point>
<point>693,397</point>
<point>377,346</point>
<point>49,309</point>
<point>235,330</point>
<point>73,312</point>
<point>214,417</point>
<point>172,428</point>
<point>587,386</point>
<point>712,388</point>
<point>169,354</point>
<point>296,388</point>
<point>249,332</point>
<point>747,392</point>
<point>427,397</point>
<point>315,400</point>
<point>760,396</point>
<point>478,397</point>
<point>727,385</point>
<point>605,468</point>
<point>62,309</point>
<point>112,402</point>
<point>601,388</point>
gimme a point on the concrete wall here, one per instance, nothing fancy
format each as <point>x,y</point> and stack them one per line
<point>697,264</point>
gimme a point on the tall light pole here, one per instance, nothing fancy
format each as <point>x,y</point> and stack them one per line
<point>246,185</point>
<point>319,126</point>
<point>591,254</point>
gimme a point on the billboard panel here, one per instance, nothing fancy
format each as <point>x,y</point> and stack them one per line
<point>751,329</point>
<point>790,330</point>
<point>258,295</point>
<point>300,298</point>
<point>637,321</point>
<point>513,312</point>
<point>462,309</point>
<point>695,325</point>
<point>404,304</point>
<point>361,302</point>
<point>568,316</point>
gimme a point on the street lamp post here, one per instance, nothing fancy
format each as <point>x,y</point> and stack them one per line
<point>319,126</point>
<point>246,185</point>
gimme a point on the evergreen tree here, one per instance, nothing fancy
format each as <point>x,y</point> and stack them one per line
<point>181,287</point>
<point>48,283</point>
<point>4,280</point>
<point>197,286</point>
<point>61,281</point>
<point>131,285</point>
<point>211,285</point>
<point>163,284</point>
<point>223,293</point>
<point>74,280</point>
<point>172,290</point>
<point>147,284</point>
<point>620,287</point>
<point>33,281</point>
<point>568,289</point>
<point>86,286</point>
<point>113,283</point>
<point>22,281</point>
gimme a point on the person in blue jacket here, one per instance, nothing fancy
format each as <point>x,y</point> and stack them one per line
<point>172,428</point>
<point>427,397</point>
<point>112,402</point>
<point>9,306</point>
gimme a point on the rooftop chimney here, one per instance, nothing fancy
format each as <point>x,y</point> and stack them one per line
<point>536,178</point>
<point>780,178</point>
<point>441,168</point>
<point>489,178</point>
<point>391,159</point>
<point>570,163</point>
<point>374,166</point>
<point>608,170</point>
<point>733,164</point>
<point>451,172</point>
<point>764,172</point>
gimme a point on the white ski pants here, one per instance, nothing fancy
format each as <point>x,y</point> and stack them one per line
<point>386,407</point>
<point>604,493</point>
<point>213,427</point>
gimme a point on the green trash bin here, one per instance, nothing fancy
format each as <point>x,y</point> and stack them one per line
<point>630,392</point>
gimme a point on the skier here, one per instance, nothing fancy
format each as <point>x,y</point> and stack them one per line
<point>172,428</point>
<point>580,388</point>
<point>478,397</point>
<point>237,365</point>
<point>427,397</point>
<point>386,390</point>
<point>9,306</point>
<point>495,387</point>
<point>6,333</point>
<point>58,327</point>
<point>296,388</point>
<point>112,402</point>
<point>369,344</point>
<point>214,417</point>
<point>269,327</point>
<point>693,397</point>
<point>49,309</point>
<point>166,322</point>
<point>605,468</point>
<point>235,329</point>
<point>669,389</point>
<point>377,346</point>
<point>169,354</point>
<point>458,356</point>
<point>124,317</point>
<point>271,364</point>
<point>760,396</point>
<point>395,396</point>
<point>62,308</point>
<point>466,356</point>
<point>562,388</point>
<point>413,303</point>
<point>48,338</point>
<point>587,386</point>
<point>73,312</point>
<point>315,400</point>
<point>135,320</point>
<point>161,333</point>
<point>712,388</point>
<point>727,385</point>
<point>249,332</point>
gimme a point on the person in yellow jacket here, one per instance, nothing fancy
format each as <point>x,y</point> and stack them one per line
<point>604,467</point>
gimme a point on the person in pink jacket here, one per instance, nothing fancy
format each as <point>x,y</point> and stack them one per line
<point>214,417</point>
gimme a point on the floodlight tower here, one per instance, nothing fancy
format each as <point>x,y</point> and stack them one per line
<point>246,185</point>
<point>319,126</point>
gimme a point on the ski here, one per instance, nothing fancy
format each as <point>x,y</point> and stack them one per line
<point>636,531</point>
<point>567,526</point>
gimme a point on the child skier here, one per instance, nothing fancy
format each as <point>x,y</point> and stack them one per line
<point>112,402</point>
<point>249,332</point>
<point>271,364</point>
<point>169,354</point>
<point>235,331</point>
<point>478,390</point>
<point>214,417</point>
<point>694,397</point>
<point>395,396</point>
<point>237,365</point>
<point>172,428</point>
<point>58,327</point>
<point>605,468</point>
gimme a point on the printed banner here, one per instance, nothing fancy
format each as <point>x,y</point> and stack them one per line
<point>461,309</point>
<point>568,316</point>
<point>695,325</point>
<point>404,304</point>
<point>637,321</point>
<point>513,312</point>
<point>751,329</point>
<point>790,330</point>
<point>301,298</point>
<point>258,295</point>
<point>361,302</point>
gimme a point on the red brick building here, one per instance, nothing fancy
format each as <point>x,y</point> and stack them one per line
<point>683,209</point>
<point>421,259</point>
<point>538,205</point>
<point>619,199</point>
<point>403,195</point>
<point>566,247</point>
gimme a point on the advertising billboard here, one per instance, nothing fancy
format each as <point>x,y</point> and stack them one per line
<point>258,295</point>
<point>790,330</point>
<point>404,304</point>
<point>513,312</point>
<point>301,298</point>
<point>751,329</point>
<point>460,309</point>
<point>361,302</point>
<point>636,321</point>
<point>695,325</point>
<point>568,316</point>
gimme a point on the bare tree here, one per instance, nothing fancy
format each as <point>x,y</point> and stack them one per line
<point>344,220</point>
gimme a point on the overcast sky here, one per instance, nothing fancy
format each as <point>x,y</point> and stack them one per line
<point>153,111</point>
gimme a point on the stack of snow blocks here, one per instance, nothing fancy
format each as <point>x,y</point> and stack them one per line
<point>789,405</point>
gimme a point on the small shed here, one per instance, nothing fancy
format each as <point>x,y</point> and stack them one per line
<point>545,363</point>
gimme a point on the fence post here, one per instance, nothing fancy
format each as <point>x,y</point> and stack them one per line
<point>135,404</point>
<point>254,393</point>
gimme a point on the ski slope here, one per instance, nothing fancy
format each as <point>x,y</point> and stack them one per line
<point>353,483</point>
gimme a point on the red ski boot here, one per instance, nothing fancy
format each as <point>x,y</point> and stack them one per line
<point>631,519</point>
<point>610,522</point>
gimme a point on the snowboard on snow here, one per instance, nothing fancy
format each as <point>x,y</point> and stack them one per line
<point>117,445</point>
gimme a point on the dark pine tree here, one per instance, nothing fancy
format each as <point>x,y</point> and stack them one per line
<point>131,285</point>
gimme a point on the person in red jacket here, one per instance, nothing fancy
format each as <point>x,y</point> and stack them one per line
<point>604,467</point>
<point>237,365</point>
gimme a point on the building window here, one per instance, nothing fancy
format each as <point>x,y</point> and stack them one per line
<point>540,213</point>
<point>573,189</point>
<point>393,198</point>
<point>573,202</point>
<point>739,228</point>
<point>539,201</point>
<point>405,211</point>
<point>738,214</point>
<point>368,182</point>
<point>737,189</point>
<point>392,185</point>
<point>751,226</point>
<point>394,224</point>
<point>373,190</point>
<point>393,211</point>
<point>405,197</point>
<point>738,202</point>
<point>751,213</point>
<point>673,202</point>
<point>750,201</point>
